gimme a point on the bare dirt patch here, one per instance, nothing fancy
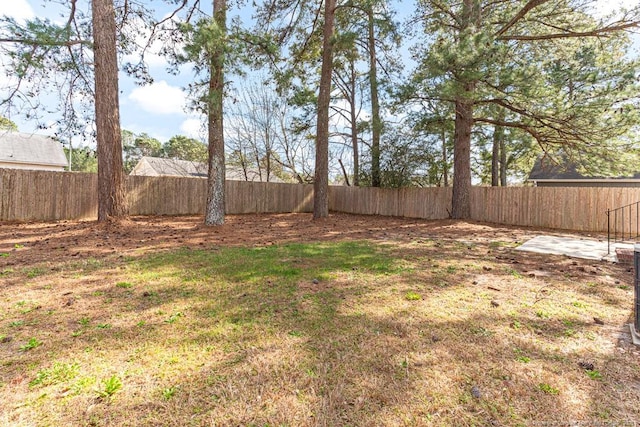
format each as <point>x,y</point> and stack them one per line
<point>32,243</point>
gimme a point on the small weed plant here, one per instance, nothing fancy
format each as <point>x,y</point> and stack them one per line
<point>412,296</point>
<point>546,388</point>
<point>169,392</point>
<point>58,373</point>
<point>594,374</point>
<point>110,386</point>
<point>30,345</point>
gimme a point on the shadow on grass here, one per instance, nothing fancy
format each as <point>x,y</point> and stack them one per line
<point>313,334</point>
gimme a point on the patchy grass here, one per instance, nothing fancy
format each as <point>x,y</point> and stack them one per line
<point>351,333</point>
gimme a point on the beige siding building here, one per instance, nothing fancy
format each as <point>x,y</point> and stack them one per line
<point>30,151</point>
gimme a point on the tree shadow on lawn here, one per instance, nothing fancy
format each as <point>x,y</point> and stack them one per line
<point>29,245</point>
<point>207,337</point>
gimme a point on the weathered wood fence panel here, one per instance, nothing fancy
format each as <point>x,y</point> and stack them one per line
<point>427,203</point>
<point>151,195</point>
<point>243,197</point>
<point>45,196</point>
<point>50,196</point>
<point>42,195</point>
<point>569,208</point>
<point>187,196</point>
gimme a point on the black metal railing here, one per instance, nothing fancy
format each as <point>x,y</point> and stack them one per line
<point>623,224</point>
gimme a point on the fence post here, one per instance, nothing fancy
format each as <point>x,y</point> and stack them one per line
<point>635,326</point>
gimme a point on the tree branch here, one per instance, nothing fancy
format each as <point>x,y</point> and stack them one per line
<point>30,42</point>
<point>599,32</point>
<point>521,14</point>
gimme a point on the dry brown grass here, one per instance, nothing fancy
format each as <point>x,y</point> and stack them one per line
<point>408,323</point>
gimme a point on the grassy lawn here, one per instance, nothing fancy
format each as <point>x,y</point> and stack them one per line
<point>356,333</point>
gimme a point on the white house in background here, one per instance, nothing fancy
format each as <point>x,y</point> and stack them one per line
<point>29,151</point>
<point>157,166</point>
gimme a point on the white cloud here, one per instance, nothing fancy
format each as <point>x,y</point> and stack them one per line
<point>159,98</point>
<point>20,10</point>
<point>192,127</point>
<point>606,7</point>
<point>152,60</point>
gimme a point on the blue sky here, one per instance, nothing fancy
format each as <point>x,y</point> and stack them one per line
<point>160,109</point>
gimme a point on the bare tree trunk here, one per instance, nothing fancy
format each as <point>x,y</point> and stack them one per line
<point>498,155</point>
<point>344,173</point>
<point>461,202</point>
<point>445,167</point>
<point>495,156</point>
<point>503,162</point>
<point>215,209</point>
<point>376,128</point>
<point>354,127</point>
<point>111,191</point>
<point>321,182</point>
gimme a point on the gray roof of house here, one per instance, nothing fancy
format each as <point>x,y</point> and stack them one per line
<point>546,169</point>
<point>26,148</point>
<point>176,167</point>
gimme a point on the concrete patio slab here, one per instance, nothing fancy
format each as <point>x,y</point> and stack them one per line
<point>573,247</point>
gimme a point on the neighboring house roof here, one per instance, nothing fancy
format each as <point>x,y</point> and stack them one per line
<point>25,149</point>
<point>545,169</point>
<point>156,166</point>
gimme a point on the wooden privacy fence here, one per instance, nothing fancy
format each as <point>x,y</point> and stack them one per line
<point>51,196</point>
<point>568,208</point>
<point>187,196</point>
<point>427,203</point>
<point>46,196</point>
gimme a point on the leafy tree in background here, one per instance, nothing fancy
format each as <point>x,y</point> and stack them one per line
<point>483,53</point>
<point>368,41</point>
<point>83,159</point>
<point>177,147</point>
<point>184,148</point>
<point>7,124</point>
<point>337,34</point>
<point>430,125</point>
<point>136,146</point>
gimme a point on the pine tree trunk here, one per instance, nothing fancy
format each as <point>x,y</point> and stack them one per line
<point>215,208</point>
<point>495,157</point>
<point>354,127</point>
<point>111,187</point>
<point>376,128</point>
<point>461,201</point>
<point>498,158</point>
<point>445,166</point>
<point>321,181</point>
<point>503,161</point>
